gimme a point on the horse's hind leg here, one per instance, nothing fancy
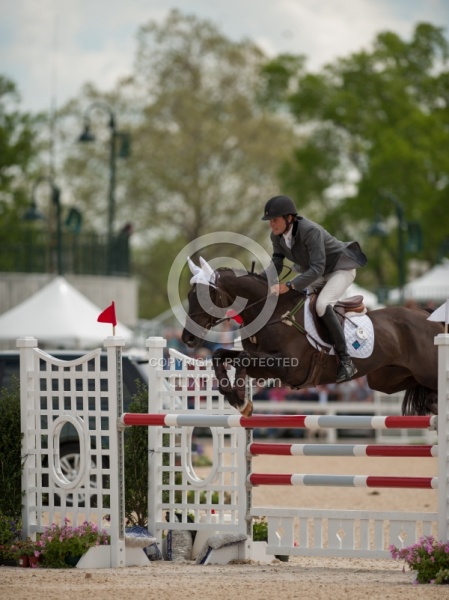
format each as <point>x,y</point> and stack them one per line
<point>390,379</point>
<point>418,399</point>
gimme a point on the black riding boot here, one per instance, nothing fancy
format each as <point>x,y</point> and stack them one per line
<point>346,369</point>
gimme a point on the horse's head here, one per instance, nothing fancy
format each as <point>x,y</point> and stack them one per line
<point>214,293</point>
<point>203,298</point>
<point>199,320</point>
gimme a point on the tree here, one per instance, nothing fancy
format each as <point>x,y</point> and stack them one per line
<point>376,125</point>
<point>205,154</point>
<point>20,162</point>
<point>20,147</point>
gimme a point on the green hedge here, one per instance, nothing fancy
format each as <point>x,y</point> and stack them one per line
<point>11,460</point>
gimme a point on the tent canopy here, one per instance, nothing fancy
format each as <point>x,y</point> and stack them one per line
<point>433,285</point>
<point>59,316</point>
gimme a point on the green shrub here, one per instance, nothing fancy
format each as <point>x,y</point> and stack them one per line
<point>260,530</point>
<point>10,529</point>
<point>136,463</point>
<point>11,460</point>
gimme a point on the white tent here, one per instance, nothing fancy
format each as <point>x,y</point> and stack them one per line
<point>59,316</point>
<point>433,285</point>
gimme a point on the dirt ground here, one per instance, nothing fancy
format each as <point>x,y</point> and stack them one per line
<point>314,578</point>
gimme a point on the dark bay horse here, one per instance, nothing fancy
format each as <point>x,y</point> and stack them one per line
<point>403,357</point>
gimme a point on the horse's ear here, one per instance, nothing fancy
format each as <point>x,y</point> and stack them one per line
<point>193,268</point>
<point>204,275</point>
<point>208,270</point>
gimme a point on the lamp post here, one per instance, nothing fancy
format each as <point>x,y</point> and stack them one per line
<point>87,136</point>
<point>33,214</point>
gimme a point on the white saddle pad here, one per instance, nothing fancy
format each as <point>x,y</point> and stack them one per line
<point>359,333</point>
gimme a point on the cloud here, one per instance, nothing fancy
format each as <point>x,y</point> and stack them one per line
<point>53,47</point>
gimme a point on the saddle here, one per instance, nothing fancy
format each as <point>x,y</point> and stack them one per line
<point>353,304</point>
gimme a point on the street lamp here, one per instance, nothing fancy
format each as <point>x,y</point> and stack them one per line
<point>87,136</point>
<point>33,214</point>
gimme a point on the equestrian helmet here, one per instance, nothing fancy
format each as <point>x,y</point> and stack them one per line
<point>279,206</point>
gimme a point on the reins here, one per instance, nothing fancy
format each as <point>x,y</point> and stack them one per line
<point>289,316</point>
<point>220,305</point>
<point>289,319</point>
<point>227,318</point>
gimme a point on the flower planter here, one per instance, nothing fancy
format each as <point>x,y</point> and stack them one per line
<point>72,561</point>
<point>8,562</point>
<point>33,561</point>
<point>23,561</point>
<point>282,557</point>
<point>64,545</point>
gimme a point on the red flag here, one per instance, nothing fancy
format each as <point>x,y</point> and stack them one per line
<point>108,315</point>
<point>235,316</point>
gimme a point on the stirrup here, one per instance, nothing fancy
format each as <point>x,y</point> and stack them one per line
<point>346,371</point>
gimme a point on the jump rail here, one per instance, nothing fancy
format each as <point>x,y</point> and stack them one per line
<point>423,451</point>
<point>343,480</point>
<point>283,421</point>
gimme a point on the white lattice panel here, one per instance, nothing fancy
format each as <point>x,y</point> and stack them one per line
<point>82,395</point>
<point>176,490</point>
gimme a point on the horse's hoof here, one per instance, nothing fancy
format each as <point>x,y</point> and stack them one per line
<point>247,410</point>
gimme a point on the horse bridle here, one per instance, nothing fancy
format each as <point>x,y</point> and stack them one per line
<point>213,323</point>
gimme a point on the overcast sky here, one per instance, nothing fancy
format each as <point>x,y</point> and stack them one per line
<point>50,48</point>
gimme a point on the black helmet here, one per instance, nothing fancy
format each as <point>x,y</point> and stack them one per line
<point>278,206</point>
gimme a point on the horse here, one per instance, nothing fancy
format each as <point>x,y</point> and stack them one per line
<point>403,358</point>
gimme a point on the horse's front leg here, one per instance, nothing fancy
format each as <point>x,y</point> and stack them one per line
<point>220,358</point>
<point>257,365</point>
<point>235,395</point>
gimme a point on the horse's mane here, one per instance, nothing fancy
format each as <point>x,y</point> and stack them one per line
<point>241,272</point>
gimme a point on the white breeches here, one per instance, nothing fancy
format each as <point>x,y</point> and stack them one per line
<point>335,285</point>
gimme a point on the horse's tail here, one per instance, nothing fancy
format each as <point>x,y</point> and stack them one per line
<point>419,400</point>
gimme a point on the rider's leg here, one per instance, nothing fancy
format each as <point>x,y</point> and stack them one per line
<point>346,368</point>
<point>337,283</point>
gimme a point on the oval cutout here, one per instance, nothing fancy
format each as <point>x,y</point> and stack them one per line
<point>54,451</point>
<point>186,458</point>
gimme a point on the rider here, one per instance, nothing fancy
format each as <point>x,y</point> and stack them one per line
<point>321,260</point>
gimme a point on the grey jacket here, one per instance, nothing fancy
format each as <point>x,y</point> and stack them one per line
<point>315,253</point>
